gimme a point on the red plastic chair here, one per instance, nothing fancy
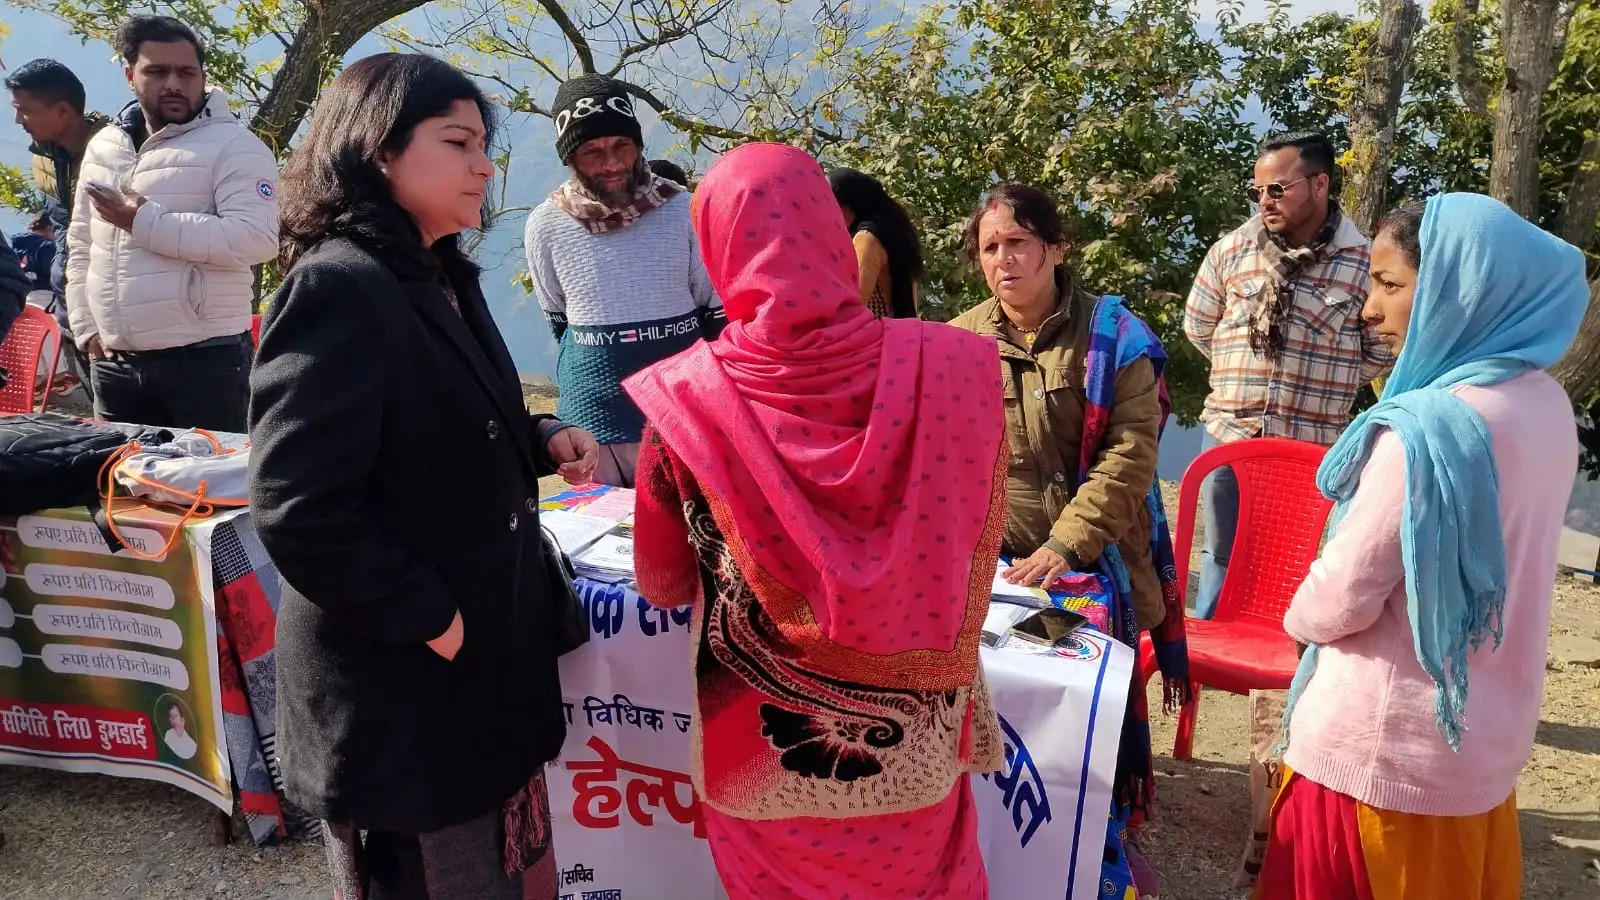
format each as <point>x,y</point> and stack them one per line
<point>20,354</point>
<point>255,330</point>
<point>1282,517</point>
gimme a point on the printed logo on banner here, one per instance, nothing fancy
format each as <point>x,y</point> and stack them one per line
<point>1021,786</point>
<point>1075,646</point>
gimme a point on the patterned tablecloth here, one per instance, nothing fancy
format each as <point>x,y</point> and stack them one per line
<point>247,593</point>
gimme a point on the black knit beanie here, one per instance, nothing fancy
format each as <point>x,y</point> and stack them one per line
<point>593,106</point>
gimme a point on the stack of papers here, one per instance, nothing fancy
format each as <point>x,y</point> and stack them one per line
<point>595,529</point>
<point>1002,591</point>
<point>609,559</point>
<point>615,505</point>
<point>573,532</point>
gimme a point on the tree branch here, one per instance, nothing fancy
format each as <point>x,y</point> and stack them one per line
<point>1532,46</point>
<point>1563,23</point>
<point>1581,215</point>
<point>1381,81</point>
<point>329,31</point>
<point>574,35</point>
<point>1464,61</point>
<point>667,36</point>
<point>685,123</point>
<point>1579,371</point>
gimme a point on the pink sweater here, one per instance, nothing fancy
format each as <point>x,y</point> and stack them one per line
<point>1365,725</point>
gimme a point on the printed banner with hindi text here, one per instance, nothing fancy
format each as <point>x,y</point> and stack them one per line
<point>627,822</point>
<point>108,661</point>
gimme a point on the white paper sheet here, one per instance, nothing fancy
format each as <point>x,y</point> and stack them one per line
<point>1003,588</point>
<point>574,531</point>
<point>612,553</point>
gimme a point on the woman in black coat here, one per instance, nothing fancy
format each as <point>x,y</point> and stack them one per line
<point>394,484</point>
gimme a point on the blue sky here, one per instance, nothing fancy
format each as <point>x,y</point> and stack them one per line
<point>534,168</point>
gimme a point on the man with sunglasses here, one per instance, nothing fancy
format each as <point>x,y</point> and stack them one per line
<point>1276,308</point>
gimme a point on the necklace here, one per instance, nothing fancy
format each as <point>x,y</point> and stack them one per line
<point>1029,335</point>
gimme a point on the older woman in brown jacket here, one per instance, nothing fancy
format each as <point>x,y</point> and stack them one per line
<point>1041,320</point>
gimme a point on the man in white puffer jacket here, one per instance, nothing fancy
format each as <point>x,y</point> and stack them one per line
<point>175,203</point>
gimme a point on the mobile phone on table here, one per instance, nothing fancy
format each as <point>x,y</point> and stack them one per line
<point>1048,625</point>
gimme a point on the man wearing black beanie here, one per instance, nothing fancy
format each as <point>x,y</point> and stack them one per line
<point>616,267</point>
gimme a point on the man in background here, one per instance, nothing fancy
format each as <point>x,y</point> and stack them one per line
<point>175,204</point>
<point>36,251</point>
<point>616,266</point>
<point>1276,308</point>
<point>50,102</point>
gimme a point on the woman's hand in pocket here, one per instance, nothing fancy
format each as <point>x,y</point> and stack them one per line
<point>448,644</point>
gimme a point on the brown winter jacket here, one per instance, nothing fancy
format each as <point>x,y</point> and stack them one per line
<point>1045,404</point>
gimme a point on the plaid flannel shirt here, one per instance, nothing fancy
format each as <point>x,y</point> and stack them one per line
<point>1329,352</point>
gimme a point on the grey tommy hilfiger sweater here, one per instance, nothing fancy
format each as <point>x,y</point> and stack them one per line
<point>617,302</point>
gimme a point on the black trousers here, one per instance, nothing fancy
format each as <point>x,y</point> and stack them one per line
<point>77,360</point>
<point>198,386</point>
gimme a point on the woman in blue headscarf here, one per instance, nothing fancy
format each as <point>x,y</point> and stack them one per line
<point>1439,575</point>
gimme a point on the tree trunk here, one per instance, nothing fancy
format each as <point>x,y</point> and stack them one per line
<point>1532,49</point>
<point>1579,370</point>
<point>330,29</point>
<point>1372,115</point>
<point>1464,61</point>
<point>1581,216</point>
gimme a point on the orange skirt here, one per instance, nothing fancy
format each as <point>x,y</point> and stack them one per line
<point>1324,845</point>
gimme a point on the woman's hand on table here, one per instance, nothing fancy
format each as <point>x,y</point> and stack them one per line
<point>575,453</point>
<point>448,644</point>
<point>1045,564</point>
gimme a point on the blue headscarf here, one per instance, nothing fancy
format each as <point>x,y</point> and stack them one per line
<point>1496,296</point>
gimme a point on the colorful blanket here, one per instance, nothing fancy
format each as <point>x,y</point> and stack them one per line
<point>1117,337</point>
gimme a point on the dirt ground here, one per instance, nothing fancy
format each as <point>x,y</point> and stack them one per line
<point>1203,817</point>
<point>71,836</point>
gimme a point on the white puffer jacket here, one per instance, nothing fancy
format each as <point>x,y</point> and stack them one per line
<point>183,274</point>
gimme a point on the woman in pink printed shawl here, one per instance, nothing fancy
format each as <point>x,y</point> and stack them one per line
<point>825,488</point>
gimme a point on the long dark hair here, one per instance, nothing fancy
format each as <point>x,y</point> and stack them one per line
<point>879,214</point>
<point>332,185</point>
<point>1034,211</point>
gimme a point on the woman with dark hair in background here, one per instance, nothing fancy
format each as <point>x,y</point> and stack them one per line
<point>1084,405</point>
<point>887,252</point>
<point>671,171</point>
<point>394,484</point>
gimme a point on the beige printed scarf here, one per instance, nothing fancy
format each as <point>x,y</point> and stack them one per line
<point>598,218</point>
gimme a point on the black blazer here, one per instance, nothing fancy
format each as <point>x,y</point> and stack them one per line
<point>393,481</point>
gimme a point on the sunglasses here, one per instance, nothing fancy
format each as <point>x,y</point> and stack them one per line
<point>1275,190</point>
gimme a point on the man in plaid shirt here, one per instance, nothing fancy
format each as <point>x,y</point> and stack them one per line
<point>1276,308</point>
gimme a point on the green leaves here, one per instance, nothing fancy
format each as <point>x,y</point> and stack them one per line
<point>1125,113</point>
<point>17,192</point>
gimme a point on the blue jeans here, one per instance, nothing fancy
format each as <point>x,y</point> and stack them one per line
<point>1219,504</point>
